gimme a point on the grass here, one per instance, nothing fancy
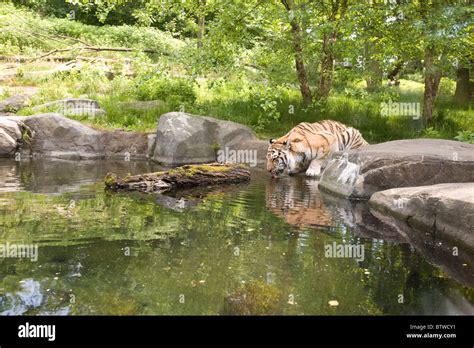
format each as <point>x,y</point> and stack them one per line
<point>167,78</point>
<point>246,106</point>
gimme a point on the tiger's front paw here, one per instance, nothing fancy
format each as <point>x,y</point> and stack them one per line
<point>313,171</point>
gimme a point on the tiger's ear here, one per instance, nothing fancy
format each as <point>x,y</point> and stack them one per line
<point>272,141</point>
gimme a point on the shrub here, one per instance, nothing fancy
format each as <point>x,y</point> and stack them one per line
<point>430,132</point>
<point>465,136</point>
<point>266,100</point>
<point>175,91</point>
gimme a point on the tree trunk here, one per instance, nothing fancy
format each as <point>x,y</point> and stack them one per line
<point>432,80</point>
<point>180,178</point>
<point>463,89</point>
<point>374,73</point>
<point>298,50</point>
<point>338,10</point>
<point>374,78</point>
<point>327,67</point>
<point>299,64</point>
<point>201,26</point>
<point>372,70</point>
<point>201,23</point>
<point>392,75</point>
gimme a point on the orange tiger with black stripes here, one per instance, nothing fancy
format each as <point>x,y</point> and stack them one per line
<point>308,146</point>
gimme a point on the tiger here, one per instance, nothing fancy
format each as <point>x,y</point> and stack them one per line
<point>308,146</point>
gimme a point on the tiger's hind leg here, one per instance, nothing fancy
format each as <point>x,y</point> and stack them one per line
<point>314,168</point>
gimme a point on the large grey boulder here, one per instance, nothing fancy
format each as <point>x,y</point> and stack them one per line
<point>56,136</point>
<point>437,220</point>
<point>14,103</point>
<point>297,200</point>
<point>184,138</point>
<point>231,133</point>
<point>401,163</point>
<point>10,136</point>
<point>53,135</point>
<point>443,209</point>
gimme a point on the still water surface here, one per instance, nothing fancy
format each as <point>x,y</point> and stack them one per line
<point>123,254</point>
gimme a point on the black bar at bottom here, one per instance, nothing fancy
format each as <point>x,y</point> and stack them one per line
<point>413,330</point>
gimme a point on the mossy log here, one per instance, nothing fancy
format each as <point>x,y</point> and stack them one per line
<point>180,178</point>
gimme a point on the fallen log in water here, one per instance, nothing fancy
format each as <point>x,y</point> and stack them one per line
<point>181,177</point>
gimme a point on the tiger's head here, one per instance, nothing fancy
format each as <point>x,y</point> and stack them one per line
<point>292,155</point>
<point>278,157</point>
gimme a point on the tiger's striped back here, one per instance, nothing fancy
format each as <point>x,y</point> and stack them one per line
<point>350,139</point>
<point>305,128</point>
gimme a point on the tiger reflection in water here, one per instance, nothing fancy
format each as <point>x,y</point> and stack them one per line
<point>298,201</point>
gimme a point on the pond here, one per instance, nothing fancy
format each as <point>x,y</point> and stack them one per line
<point>134,254</point>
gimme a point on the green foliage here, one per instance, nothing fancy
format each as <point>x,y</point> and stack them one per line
<point>431,132</point>
<point>465,136</point>
<point>356,93</point>
<point>23,32</point>
<point>265,101</point>
<point>176,91</point>
<point>446,88</point>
